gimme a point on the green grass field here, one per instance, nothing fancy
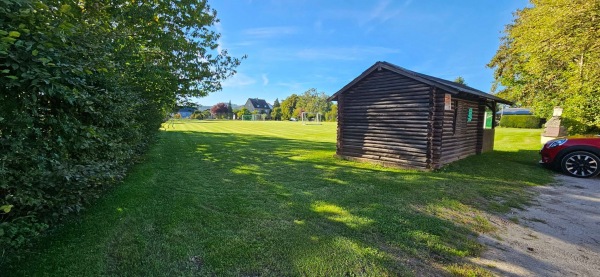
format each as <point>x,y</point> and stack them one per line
<point>269,199</point>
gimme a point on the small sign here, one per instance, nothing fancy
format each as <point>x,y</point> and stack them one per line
<point>448,102</point>
<point>470,115</point>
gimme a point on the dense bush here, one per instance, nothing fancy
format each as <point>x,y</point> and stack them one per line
<point>520,121</point>
<point>84,87</point>
<point>197,114</point>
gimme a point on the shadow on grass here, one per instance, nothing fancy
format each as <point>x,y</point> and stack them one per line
<point>230,204</point>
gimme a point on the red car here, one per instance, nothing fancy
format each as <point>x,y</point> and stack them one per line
<point>575,156</point>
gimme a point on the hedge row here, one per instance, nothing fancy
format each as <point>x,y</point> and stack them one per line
<point>84,87</point>
<point>520,121</point>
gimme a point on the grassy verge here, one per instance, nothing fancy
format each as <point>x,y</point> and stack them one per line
<point>268,199</point>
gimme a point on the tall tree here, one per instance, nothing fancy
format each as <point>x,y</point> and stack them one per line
<point>313,102</point>
<point>276,103</point>
<point>549,57</point>
<point>288,105</point>
<point>276,113</point>
<point>219,110</point>
<point>229,110</point>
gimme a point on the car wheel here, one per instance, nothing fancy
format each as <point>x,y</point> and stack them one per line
<point>581,164</point>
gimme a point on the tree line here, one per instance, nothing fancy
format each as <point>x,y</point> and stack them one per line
<point>310,102</point>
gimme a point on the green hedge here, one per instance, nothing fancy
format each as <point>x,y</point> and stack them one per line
<point>84,87</point>
<point>520,121</point>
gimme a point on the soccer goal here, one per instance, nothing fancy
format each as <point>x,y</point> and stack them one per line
<point>311,118</point>
<point>257,117</point>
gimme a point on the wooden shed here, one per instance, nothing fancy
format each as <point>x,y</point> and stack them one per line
<point>397,117</point>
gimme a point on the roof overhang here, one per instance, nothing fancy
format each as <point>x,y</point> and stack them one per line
<point>448,86</point>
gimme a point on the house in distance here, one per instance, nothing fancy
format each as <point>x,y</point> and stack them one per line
<point>260,105</point>
<point>397,117</point>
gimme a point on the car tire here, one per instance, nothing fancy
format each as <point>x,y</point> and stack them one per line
<point>581,164</point>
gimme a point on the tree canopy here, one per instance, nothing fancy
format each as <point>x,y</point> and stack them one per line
<point>550,56</point>
<point>219,110</point>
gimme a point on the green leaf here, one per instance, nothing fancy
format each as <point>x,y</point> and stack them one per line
<point>65,8</point>
<point>6,208</point>
<point>5,71</point>
<point>8,39</point>
<point>34,52</point>
<point>12,77</point>
<point>3,33</point>
<point>14,34</point>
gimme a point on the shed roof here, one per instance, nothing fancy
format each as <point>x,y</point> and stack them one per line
<point>259,103</point>
<point>449,86</point>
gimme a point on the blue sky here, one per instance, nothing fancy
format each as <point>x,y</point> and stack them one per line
<point>295,45</point>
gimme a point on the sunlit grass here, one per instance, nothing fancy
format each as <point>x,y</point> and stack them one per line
<point>270,199</point>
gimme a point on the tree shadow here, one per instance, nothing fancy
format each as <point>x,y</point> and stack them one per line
<point>258,205</point>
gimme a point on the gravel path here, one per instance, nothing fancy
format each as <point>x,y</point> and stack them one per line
<point>559,235</point>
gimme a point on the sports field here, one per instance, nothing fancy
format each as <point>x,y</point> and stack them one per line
<point>246,198</point>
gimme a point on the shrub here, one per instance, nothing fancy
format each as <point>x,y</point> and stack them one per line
<point>520,121</point>
<point>197,115</point>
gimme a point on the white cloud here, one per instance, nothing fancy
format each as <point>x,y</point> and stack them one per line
<point>267,32</point>
<point>219,29</point>
<point>238,80</point>
<point>382,12</point>
<point>265,79</point>
<point>344,53</point>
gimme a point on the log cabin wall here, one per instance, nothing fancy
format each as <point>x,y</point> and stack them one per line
<point>461,138</point>
<point>437,110</point>
<point>387,118</point>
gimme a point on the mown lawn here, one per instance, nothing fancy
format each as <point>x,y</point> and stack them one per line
<point>269,199</point>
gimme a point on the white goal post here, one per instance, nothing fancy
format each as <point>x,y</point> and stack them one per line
<point>311,118</point>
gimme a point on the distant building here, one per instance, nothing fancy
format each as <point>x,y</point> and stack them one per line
<point>260,105</point>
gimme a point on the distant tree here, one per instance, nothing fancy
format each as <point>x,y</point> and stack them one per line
<point>206,114</point>
<point>298,112</point>
<point>276,103</point>
<point>331,115</point>
<point>229,110</point>
<point>306,99</point>
<point>197,114</point>
<point>276,113</point>
<point>549,56</point>
<point>219,110</point>
<point>460,80</point>
<point>320,104</point>
<point>242,112</point>
<point>288,106</point>
<point>314,102</point>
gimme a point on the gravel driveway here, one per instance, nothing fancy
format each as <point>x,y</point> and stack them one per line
<point>559,235</point>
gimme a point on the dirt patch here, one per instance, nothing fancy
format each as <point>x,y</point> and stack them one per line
<point>559,235</point>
